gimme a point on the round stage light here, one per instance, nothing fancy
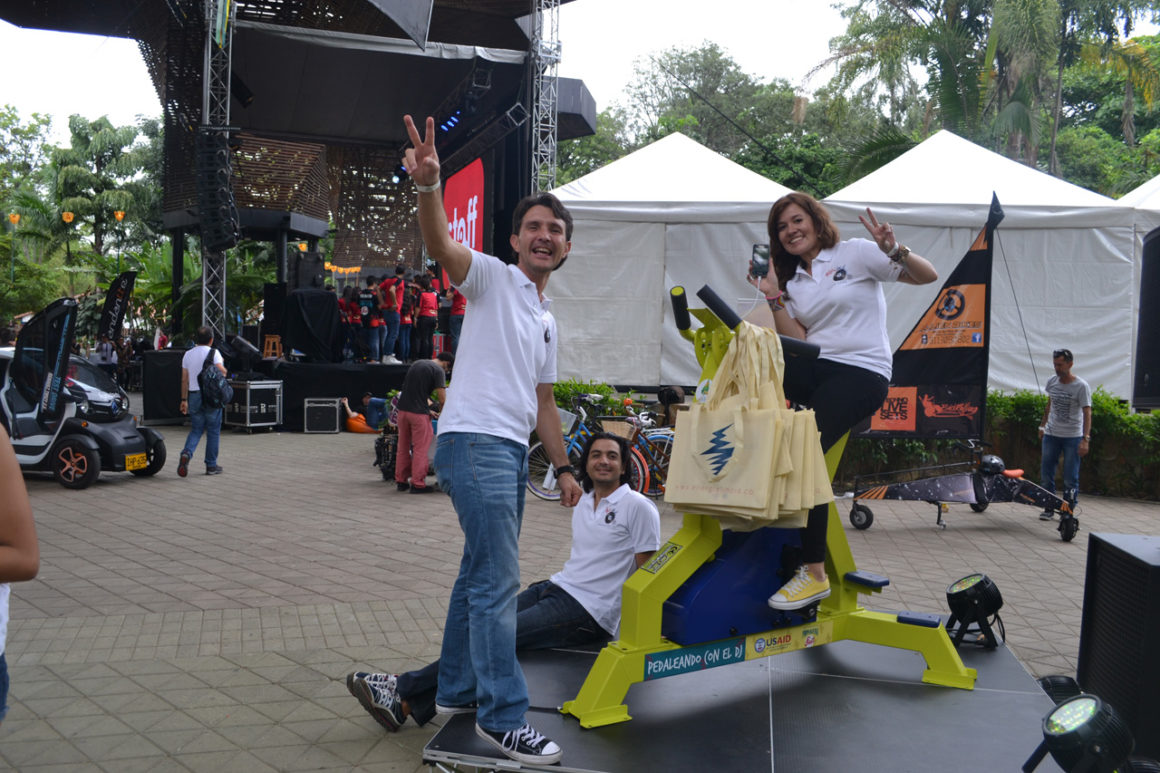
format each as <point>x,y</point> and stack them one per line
<point>1085,735</point>
<point>974,602</point>
<point>1059,687</point>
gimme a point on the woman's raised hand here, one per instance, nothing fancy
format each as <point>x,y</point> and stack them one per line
<point>882,233</point>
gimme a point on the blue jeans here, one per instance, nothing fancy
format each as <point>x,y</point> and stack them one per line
<point>486,477</point>
<point>207,421</point>
<point>456,325</point>
<point>3,687</point>
<point>390,332</point>
<point>547,616</point>
<point>403,344</point>
<point>370,336</point>
<point>1053,447</point>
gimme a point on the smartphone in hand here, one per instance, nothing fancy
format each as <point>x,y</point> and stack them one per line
<point>759,262</point>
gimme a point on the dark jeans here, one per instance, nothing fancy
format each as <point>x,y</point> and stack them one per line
<point>841,396</point>
<point>546,616</point>
<point>403,344</point>
<point>456,329</point>
<point>426,327</point>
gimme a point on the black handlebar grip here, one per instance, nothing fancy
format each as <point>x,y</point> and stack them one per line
<point>795,347</point>
<point>680,307</point>
<point>719,307</point>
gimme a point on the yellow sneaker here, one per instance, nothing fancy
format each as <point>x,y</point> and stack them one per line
<point>801,591</point>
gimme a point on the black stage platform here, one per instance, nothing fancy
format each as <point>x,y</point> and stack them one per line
<point>846,706</point>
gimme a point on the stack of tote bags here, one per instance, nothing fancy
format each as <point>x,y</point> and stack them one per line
<point>742,455</point>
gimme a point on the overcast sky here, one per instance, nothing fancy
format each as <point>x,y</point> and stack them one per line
<point>61,74</point>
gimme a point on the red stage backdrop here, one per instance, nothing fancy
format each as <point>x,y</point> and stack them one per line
<point>463,199</point>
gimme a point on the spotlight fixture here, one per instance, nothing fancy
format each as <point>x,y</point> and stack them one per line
<point>1083,735</point>
<point>975,602</point>
<point>1059,687</point>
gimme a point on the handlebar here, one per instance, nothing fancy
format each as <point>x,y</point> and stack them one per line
<point>719,308</point>
<point>790,347</point>
<point>680,307</point>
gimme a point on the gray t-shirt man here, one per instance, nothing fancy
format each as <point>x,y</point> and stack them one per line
<point>423,378</point>
<point>1065,417</point>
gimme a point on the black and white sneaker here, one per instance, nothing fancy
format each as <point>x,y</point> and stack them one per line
<point>381,702</point>
<point>523,745</point>
<point>370,676</point>
<point>1046,515</point>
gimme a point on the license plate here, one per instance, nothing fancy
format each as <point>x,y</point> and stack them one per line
<point>136,462</point>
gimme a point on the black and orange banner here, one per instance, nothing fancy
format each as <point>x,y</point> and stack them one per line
<point>939,385</point>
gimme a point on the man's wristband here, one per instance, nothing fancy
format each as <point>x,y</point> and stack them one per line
<point>565,468</point>
<point>428,188</point>
<point>1043,428</point>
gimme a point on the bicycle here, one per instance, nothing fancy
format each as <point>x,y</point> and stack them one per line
<point>541,473</point>
<point>655,446</point>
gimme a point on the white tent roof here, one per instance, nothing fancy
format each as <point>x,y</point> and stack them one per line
<point>1147,196</point>
<point>672,213</point>
<point>675,178</point>
<point>1064,274</point>
<point>949,171</point>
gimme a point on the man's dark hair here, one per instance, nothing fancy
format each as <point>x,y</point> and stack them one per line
<point>582,471</point>
<point>424,281</point>
<point>370,281</point>
<point>446,357</point>
<point>542,199</point>
<point>203,336</point>
<point>400,269</point>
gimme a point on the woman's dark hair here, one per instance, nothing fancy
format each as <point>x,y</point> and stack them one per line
<point>582,470</point>
<point>784,264</point>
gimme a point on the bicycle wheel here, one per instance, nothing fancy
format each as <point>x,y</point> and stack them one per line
<point>541,475</point>
<point>638,477</point>
<point>660,443</point>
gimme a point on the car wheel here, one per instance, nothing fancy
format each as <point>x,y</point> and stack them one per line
<point>75,465</point>
<point>156,457</point>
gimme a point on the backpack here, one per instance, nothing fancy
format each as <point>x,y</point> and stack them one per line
<point>215,390</point>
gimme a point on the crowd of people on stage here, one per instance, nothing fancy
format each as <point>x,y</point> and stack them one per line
<point>394,319</point>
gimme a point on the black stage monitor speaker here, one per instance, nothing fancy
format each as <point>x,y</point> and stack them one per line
<point>1146,387</point>
<point>1119,644</point>
<point>309,272</point>
<point>273,308</point>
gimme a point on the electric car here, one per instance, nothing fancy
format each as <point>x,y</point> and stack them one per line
<point>65,415</point>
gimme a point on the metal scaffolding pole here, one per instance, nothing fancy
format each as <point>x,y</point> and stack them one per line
<point>215,108</point>
<point>545,59</point>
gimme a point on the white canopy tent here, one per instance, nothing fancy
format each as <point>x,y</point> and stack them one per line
<point>672,213</point>
<point>1065,271</point>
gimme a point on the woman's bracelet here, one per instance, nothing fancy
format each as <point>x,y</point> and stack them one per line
<point>776,302</point>
<point>428,188</point>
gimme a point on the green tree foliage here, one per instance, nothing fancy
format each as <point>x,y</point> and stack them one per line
<point>23,148</point>
<point>576,158</point>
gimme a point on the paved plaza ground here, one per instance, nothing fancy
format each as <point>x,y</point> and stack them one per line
<point>207,623</point>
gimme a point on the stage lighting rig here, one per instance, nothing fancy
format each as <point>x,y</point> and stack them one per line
<point>975,602</point>
<point>1083,735</point>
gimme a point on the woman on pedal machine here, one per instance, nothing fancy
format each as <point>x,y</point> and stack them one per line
<point>829,293</point>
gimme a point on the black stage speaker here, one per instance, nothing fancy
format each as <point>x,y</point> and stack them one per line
<point>1119,643</point>
<point>217,209</point>
<point>307,272</point>
<point>273,308</point>
<point>1146,388</point>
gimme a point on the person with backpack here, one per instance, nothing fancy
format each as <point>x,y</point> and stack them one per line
<point>205,414</point>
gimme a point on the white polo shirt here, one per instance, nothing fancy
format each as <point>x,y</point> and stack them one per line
<point>506,348</point>
<point>842,307</point>
<point>605,541</point>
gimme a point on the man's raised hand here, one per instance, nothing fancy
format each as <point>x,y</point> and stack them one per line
<point>421,161</point>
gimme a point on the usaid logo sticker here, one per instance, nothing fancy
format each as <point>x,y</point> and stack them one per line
<point>720,450</point>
